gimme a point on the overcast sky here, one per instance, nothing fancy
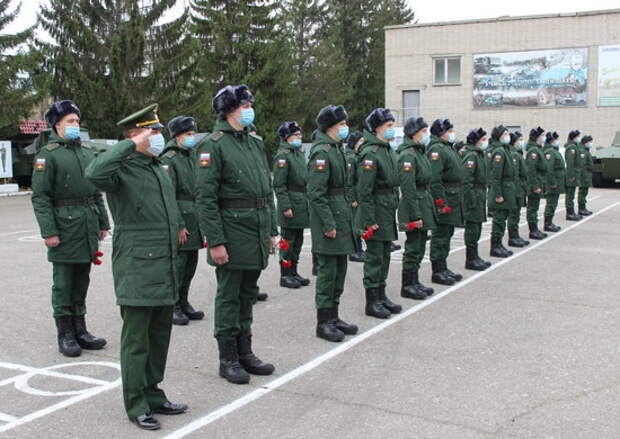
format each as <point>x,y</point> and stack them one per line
<point>425,10</point>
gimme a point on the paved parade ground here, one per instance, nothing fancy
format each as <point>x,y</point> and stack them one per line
<point>526,349</point>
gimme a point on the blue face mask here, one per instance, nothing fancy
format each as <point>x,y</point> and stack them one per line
<point>389,134</point>
<point>505,140</point>
<point>451,137</point>
<point>343,133</point>
<point>72,133</point>
<point>296,143</point>
<point>589,145</point>
<point>522,145</point>
<point>247,117</point>
<point>156,144</point>
<point>426,139</point>
<point>189,142</point>
<point>485,144</point>
<point>556,144</point>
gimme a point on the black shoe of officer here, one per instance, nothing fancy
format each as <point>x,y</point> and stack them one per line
<point>497,249</point>
<point>326,327</point>
<point>392,307</point>
<point>191,313</point>
<point>344,327</point>
<point>168,408</point>
<point>230,367</point>
<point>514,240</point>
<point>302,280</point>
<point>356,257</point>
<point>456,276</point>
<point>572,216</point>
<point>584,212</point>
<point>179,317</point>
<point>508,252</point>
<point>535,233</point>
<point>550,227</point>
<point>85,339</point>
<point>67,343</point>
<point>410,289</point>
<point>261,297</point>
<point>416,282</point>
<point>250,362</point>
<point>395,247</point>
<point>146,422</point>
<point>440,276</point>
<point>472,261</point>
<point>287,280</point>
<point>374,305</point>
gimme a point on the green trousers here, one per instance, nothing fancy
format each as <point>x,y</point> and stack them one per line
<point>533,204</point>
<point>498,226</point>
<point>570,198</point>
<point>70,284</point>
<point>552,205</point>
<point>472,233</point>
<point>377,263</point>
<point>145,338</point>
<point>514,218</point>
<point>440,241</point>
<point>581,197</point>
<point>234,300</point>
<point>188,261</point>
<point>415,247</point>
<point>332,271</point>
<point>295,238</point>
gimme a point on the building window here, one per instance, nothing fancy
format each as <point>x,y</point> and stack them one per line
<point>411,104</point>
<point>447,70</point>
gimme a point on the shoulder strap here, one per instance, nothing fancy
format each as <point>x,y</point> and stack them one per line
<point>52,146</point>
<point>216,136</point>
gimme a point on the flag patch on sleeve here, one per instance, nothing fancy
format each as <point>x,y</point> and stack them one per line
<point>205,159</point>
<point>470,164</point>
<point>39,165</point>
<point>435,156</point>
<point>407,166</point>
<point>281,163</point>
<point>368,165</point>
<point>320,164</point>
<point>498,158</point>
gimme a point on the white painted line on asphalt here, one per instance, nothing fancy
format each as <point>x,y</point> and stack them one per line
<point>312,364</point>
<point>7,418</point>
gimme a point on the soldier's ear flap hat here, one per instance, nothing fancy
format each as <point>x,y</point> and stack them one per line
<point>515,136</point>
<point>330,116</point>
<point>474,136</point>
<point>287,129</point>
<point>231,97</point>
<point>440,126</point>
<point>586,139</point>
<point>535,133</point>
<point>60,109</point>
<point>413,125</point>
<point>353,138</point>
<point>549,137</point>
<point>378,117</point>
<point>498,131</point>
<point>573,134</point>
<point>145,118</point>
<point>181,124</point>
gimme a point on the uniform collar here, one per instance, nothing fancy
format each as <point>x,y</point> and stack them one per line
<point>55,138</point>
<point>372,139</point>
<point>321,139</point>
<point>410,143</point>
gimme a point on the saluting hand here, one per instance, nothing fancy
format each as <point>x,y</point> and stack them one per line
<point>142,142</point>
<point>219,254</point>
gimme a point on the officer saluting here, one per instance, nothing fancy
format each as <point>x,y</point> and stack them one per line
<point>237,214</point>
<point>72,218</point>
<point>144,260</point>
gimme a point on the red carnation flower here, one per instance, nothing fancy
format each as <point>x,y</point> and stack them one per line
<point>284,245</point>
<point>205,244</point>
<point>368,234</point>
<point>439,202</point>
<point>97,262</point>
<point>411,226</point>
<point>447,209</point>
<point>286,264</point>
<point>99,254</point>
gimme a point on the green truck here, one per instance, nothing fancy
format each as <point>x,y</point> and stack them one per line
<point>606,163</point>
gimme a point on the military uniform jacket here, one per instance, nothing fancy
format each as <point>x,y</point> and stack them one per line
<point>502,175</point>
<point>521,180</point>
<point>377,189</point>
<point>180,164</point>
<point>146,225</point>
<point>414,175</point>
<point>574,164</point>
<point>588,166</point>
<point>475,185</point>
<point>330,207</point>
<point>232,166</point>
<point>290,175</point>
<point>556,171</point>
<point>536,169</point>
<point>58,177</point>
<point>447,179</point>
<point>352,157</point>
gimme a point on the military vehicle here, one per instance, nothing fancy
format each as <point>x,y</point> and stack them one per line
<point>606,163</point>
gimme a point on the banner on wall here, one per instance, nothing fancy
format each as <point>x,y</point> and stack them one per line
<point>537,78</point>
<point>609,75</point>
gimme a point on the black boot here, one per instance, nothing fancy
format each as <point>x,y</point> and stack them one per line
<point>572,216</point>
<point>287,280</point>
<point>374,306</point>
<point>409,289</point>
<point>456,276</point>
<point>67,344</point>
<point>473,261</point>
<point>416,282</point>
<point>535,233</point>
<point>356,257</point>
<point>344,327</point>
<point>178,316</point>
<point>487,264</point>
<point>439,274</point>
<point>550,227</point>
<point>261,297</point>
<point>392,307</point>
<point>326,326</point>
<point>584,212</point>
<point>514,240</point>
<point>250,362</point>
<point>395,247</point>
<point>497,249</point>
<point>230,367</point>
<point>302,280</point>
<point>85,339</point>
<point>191,313</point>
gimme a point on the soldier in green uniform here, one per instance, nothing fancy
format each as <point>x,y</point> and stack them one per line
<point>574,169</point>
<point>556,177</point>
<point>517,141</point>
<point>147,233</point>
<point>72,219</point>
<point>447,191</point>
<point>290,175</point>
<point>536,177</point>
<point>377,193</point>
<point>354,143</point>
<point>503,192</point>
<point>416,212</point>
<point>474,196</point>
<point>179,161</point>
<point>237,214</point>
<point>585,182</point>
<point>330,220</point>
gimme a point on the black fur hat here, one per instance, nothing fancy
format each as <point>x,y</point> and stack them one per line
<point>330,116</point>
<point>515,136</point>
<point>474,136</point>
<point>440,126</point>
<point>551,136</point>
<point>181,124</point>
<point>60,109</point>
<point>586,139</point>
<point>573,134</point>
<point>353,138</point>
<point>535,133</point>
<point>378,117</point>
<point>497,132</point>
<point>231,97</point>
<point>287,129</point>
<point>413,125</point>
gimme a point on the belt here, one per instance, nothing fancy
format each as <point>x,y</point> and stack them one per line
<point>83,201</point>
<point>256,203</point>
<point>335,191</point>
<point>186,197</point>
<point>479,186</point>
<point>383,191</point>
<point>453,184</point>
<point>421,187</point>
<point>297,188</point>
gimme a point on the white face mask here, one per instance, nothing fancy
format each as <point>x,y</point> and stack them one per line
<point>589,145</point>
<point>578,139</point>
<point>451,137</point>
